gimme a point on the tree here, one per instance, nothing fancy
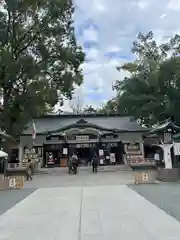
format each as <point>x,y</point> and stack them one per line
<point>89,110</point>
<point>76,105</point>
<point>110,107</point>
<point>40,59</point>
<point>152,91</point>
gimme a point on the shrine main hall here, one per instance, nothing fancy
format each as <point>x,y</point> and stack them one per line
<point>60,135</point>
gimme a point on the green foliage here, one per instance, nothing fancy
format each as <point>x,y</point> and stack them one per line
<point>89,110</point>
<point>39,59</point>
<point>110,107</point>
<point>151,92</point>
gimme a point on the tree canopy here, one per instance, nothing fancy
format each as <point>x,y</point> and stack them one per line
<point>40,59</point>
<point>89,109</point>
<point>151,92</point>
<point>110,107</point>
<point>76,104</point>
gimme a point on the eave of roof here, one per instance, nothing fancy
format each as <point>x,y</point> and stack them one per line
<point>6,136</point>
<point>111,131</point>
<point>176,136</point>
<point>162,127</point>
<point>83,115</point>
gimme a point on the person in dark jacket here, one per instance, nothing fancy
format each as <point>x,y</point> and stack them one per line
<point>29,170</point>
<point>94,163</point>
<point>1,166</point>
<point>2,160</point>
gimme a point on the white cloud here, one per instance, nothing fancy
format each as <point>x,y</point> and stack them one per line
<point>113,27</point>
<point>89,68</point>
<point>114,49</point>
<point>99,6</point>
<point>174,5</point>
<point>90,34</point>
<point>114,63</point>
<point>92,54</point>
<point>163,15</point>
<point>142,4</point>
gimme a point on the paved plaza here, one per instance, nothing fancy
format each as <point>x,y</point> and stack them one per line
<point>60,178</point>
<point>89,207</point>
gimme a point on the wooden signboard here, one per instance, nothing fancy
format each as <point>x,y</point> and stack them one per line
<point>63,162</point>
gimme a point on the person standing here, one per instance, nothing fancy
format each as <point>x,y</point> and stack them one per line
<point>1,166</point>
<point>29,170</point>
<point>89,161</point>
<point>94,163</point>
<point>112,159</point>
<point>70,164</point>
<point>157,158</point>
<point>75,162</point>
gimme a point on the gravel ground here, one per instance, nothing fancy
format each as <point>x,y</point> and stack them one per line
<point>165,196</point>
<point>8,198</point>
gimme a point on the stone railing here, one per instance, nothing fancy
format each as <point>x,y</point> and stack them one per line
<point>16,165</point>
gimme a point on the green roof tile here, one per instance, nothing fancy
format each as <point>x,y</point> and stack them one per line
<point>53,123</point>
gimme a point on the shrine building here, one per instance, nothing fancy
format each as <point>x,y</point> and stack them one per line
<point>61,135</point>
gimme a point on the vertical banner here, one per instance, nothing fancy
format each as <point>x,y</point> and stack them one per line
<point>33,131</point>
<point>176,147</point>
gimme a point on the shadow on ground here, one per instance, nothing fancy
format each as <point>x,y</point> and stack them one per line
<point>165,196</point>
<point>9,198</point>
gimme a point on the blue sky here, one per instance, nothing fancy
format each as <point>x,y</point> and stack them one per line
<point>106,30</point>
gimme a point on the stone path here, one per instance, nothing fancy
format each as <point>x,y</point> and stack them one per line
<point>59,177</point>
<point>8,198</point>
<point>87,213</point>
<point>166,196</point>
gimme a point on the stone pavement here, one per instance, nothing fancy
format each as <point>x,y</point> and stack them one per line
<point>165,195</point>
<point>87,213</point>
<point>8,198</point>
<point>59,177</point>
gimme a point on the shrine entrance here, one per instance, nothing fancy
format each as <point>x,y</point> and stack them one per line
<point>84,151</point>
<point>83,154</point>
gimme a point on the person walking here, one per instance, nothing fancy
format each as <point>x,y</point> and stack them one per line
<point>74,163</point>
<point>157,158</point>
<point>29,170</point>
<point>94,164</point>
<point>70,164</point>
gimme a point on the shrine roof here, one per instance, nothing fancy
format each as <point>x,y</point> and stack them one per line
<point>176,136</point>
<point>55,123</point>
<point>163,127</point>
